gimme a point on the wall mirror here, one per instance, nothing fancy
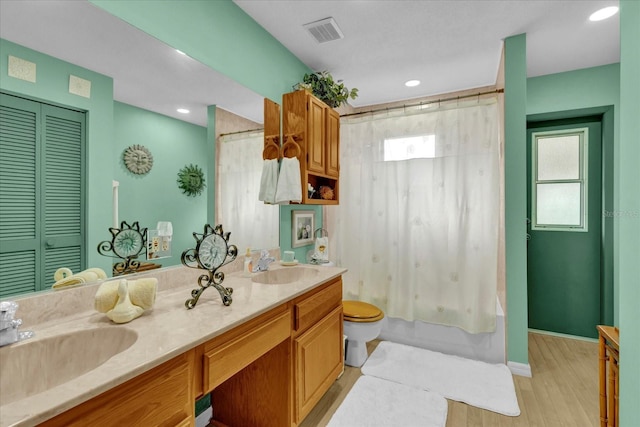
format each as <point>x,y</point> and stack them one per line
<point>148,76</point>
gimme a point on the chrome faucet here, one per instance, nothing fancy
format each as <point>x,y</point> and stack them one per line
<point>9,326</point>
<point>263,261</point>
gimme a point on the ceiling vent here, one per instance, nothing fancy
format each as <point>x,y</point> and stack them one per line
<point>325,30</point>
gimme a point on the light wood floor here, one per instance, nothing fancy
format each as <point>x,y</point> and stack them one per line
<point>562,392</point>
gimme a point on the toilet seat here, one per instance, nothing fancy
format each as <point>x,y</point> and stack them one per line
<point>361,312</point>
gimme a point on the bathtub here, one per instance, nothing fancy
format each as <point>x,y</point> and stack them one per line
<point>487,347</point>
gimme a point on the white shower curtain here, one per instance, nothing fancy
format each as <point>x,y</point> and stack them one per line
<point>420,236</point>
<point>252,223</point>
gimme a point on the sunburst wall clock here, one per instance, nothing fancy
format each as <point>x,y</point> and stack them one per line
<point>212,251</point>
<point>138,159</point>
<point>127,243</point>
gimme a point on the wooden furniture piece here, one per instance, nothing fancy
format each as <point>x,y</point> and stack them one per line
<point>163,396</point>
<point>609,351</point>
<point>269,371</point>
<point>317,346</point>
<point>315,127</point>
<point>271,148</point>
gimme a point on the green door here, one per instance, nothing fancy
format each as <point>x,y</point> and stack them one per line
<point>565,226</point>
<point>41,193</point>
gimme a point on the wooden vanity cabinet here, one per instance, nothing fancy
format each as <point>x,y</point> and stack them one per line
<point>317,346</point>
<point>268,371</point>
<point>163,396</point>
<point>315,127</point>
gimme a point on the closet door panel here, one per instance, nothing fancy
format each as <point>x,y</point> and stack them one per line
<point>63,198</point>
<point>19,192</point>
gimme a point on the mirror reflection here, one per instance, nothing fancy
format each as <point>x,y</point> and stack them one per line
<point>122,98</point>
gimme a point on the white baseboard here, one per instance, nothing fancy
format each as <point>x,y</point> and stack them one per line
<point>521,369</point>
<point>203,419</point>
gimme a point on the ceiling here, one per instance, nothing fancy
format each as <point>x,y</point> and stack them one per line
<point>448,45</point>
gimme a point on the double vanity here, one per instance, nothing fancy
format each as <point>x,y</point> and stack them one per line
<point>266,359</point>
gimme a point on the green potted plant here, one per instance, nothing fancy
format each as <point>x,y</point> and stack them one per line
<point>322,85</point>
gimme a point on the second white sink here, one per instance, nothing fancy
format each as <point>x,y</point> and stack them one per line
<point>283,276</point>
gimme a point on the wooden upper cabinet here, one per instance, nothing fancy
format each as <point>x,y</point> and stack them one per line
<point>332,143</point>
<point>315,136</point>
<point>315,127</point>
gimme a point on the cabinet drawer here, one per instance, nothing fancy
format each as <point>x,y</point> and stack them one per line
<point>225,360</point>
<point>309,310</point>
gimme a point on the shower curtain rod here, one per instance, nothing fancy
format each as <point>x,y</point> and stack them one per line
<point>240,131</point>
<point>452,98</point>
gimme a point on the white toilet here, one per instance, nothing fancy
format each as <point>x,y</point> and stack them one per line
<point>362,323</point>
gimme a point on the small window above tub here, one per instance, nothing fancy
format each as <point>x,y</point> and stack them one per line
<point>559,181</point>
<point>410,147</point>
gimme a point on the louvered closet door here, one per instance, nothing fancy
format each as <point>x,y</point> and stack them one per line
<point>19,193</point>
<point>62,201</point>
<point>41,193</point>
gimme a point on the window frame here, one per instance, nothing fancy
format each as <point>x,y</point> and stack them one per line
<point>583,144</point>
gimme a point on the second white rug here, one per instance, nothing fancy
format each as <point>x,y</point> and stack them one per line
<point>374,402</point>
<point>476,383</point>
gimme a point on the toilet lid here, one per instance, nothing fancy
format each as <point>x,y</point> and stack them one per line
<point>359,311</point>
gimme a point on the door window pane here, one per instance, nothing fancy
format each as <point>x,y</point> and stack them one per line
<point>559,157</point>
<point>559,204</point>
<point>559,195</point>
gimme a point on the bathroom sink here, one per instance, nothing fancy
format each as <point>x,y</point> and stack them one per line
<point>285,275</point>
<point>32,366</point>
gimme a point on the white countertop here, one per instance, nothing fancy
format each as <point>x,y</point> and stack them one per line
<point>166,331</point>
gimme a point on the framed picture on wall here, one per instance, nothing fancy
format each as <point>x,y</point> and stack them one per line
<point>302,226</point>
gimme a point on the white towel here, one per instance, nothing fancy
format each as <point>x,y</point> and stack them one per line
<point>289,187</point>
<point>268,181</point>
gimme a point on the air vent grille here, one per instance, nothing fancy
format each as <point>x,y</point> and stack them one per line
<point>325,30</point>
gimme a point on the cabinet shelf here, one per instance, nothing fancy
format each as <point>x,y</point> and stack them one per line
<point>317,130</point>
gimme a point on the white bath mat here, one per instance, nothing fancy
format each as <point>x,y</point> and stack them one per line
<point>376,402</point>
<point>484,385</point>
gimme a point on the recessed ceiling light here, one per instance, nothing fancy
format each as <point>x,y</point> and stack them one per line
<point>182,110</point>
<point>412,83</point>
<point>604,13</point>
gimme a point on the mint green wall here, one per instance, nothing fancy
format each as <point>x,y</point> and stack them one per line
<point>155,196</point>
<point>628,205</point>
<point>285,229</point>
<point>585,92</point>
<point>515,156</point>
<point>220,35</point>
<point>52,85</point>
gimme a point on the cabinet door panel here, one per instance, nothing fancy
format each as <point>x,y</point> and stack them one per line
<point>315,136</point>
<point>162,396</point>
<point>318,361</point>
<point>333,143</point>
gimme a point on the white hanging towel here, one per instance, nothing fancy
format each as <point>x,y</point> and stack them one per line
<point>268,181</point>
<point>289,188</point>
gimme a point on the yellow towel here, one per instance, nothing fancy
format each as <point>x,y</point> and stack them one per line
<point>64,277</point>
<point>124,311</point>
<point>142,293</point>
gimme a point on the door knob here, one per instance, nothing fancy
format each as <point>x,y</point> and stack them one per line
<point>49,243</point>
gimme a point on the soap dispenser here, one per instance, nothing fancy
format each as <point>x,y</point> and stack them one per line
<point>246,270</point>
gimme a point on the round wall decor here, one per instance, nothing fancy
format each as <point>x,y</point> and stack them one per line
<point>191,180</point>
<point>138,159</point>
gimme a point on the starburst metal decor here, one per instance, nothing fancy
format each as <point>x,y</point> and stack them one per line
<point>212,251</point>
<point>127,243</point>
<point>191,180</point>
